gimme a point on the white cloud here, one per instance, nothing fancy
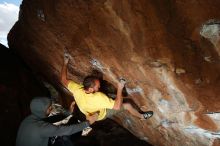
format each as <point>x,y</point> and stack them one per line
<point>3,40</point>
<point>8,16</point>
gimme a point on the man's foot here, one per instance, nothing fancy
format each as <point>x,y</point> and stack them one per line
<point>147,114</point>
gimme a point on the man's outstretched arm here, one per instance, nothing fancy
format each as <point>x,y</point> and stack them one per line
<point>119,97</point>
<point>49,130</point>
<point>63,77</point>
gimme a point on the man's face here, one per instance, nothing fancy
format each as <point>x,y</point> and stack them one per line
<point>96,87</point>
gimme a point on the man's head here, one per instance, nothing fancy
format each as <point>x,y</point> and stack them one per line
<point>91,84</point>
<point>41,107</point>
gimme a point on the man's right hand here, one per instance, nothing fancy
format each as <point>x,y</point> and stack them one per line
<point>92,118</point>
<point>121,84</point>
<point>66,58</point>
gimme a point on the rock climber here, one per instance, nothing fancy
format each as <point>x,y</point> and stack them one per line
<point>90,100</point>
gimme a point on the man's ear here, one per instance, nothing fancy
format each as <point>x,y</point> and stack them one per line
<point>90,89</point>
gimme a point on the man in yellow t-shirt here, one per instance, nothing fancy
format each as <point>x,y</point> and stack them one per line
<point>90,100</point>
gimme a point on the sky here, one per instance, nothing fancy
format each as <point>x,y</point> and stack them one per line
<point>8,16</point>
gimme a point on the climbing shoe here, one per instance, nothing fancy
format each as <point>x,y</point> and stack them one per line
<point>148,114</point>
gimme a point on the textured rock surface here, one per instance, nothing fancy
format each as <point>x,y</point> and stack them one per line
<point>168,51</point>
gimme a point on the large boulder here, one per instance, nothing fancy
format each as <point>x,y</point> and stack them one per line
<point>167,50</point>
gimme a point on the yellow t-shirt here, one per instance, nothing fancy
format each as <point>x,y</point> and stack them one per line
<point>90,103</point>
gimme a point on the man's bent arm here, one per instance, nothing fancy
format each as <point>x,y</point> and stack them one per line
<point>119,98</point>
<point>49,130</point>
<point>63,76</point>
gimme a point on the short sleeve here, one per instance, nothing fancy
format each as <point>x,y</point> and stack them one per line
<point>72,86</point>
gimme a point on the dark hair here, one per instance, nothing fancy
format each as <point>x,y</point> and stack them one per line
<point>89,82</point>
<point>97,74</point>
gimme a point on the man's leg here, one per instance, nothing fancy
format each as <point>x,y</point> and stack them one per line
<point>132,110</point>
<point>135,113</point>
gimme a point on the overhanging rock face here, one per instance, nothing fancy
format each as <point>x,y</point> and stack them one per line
<point>168,51</point>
